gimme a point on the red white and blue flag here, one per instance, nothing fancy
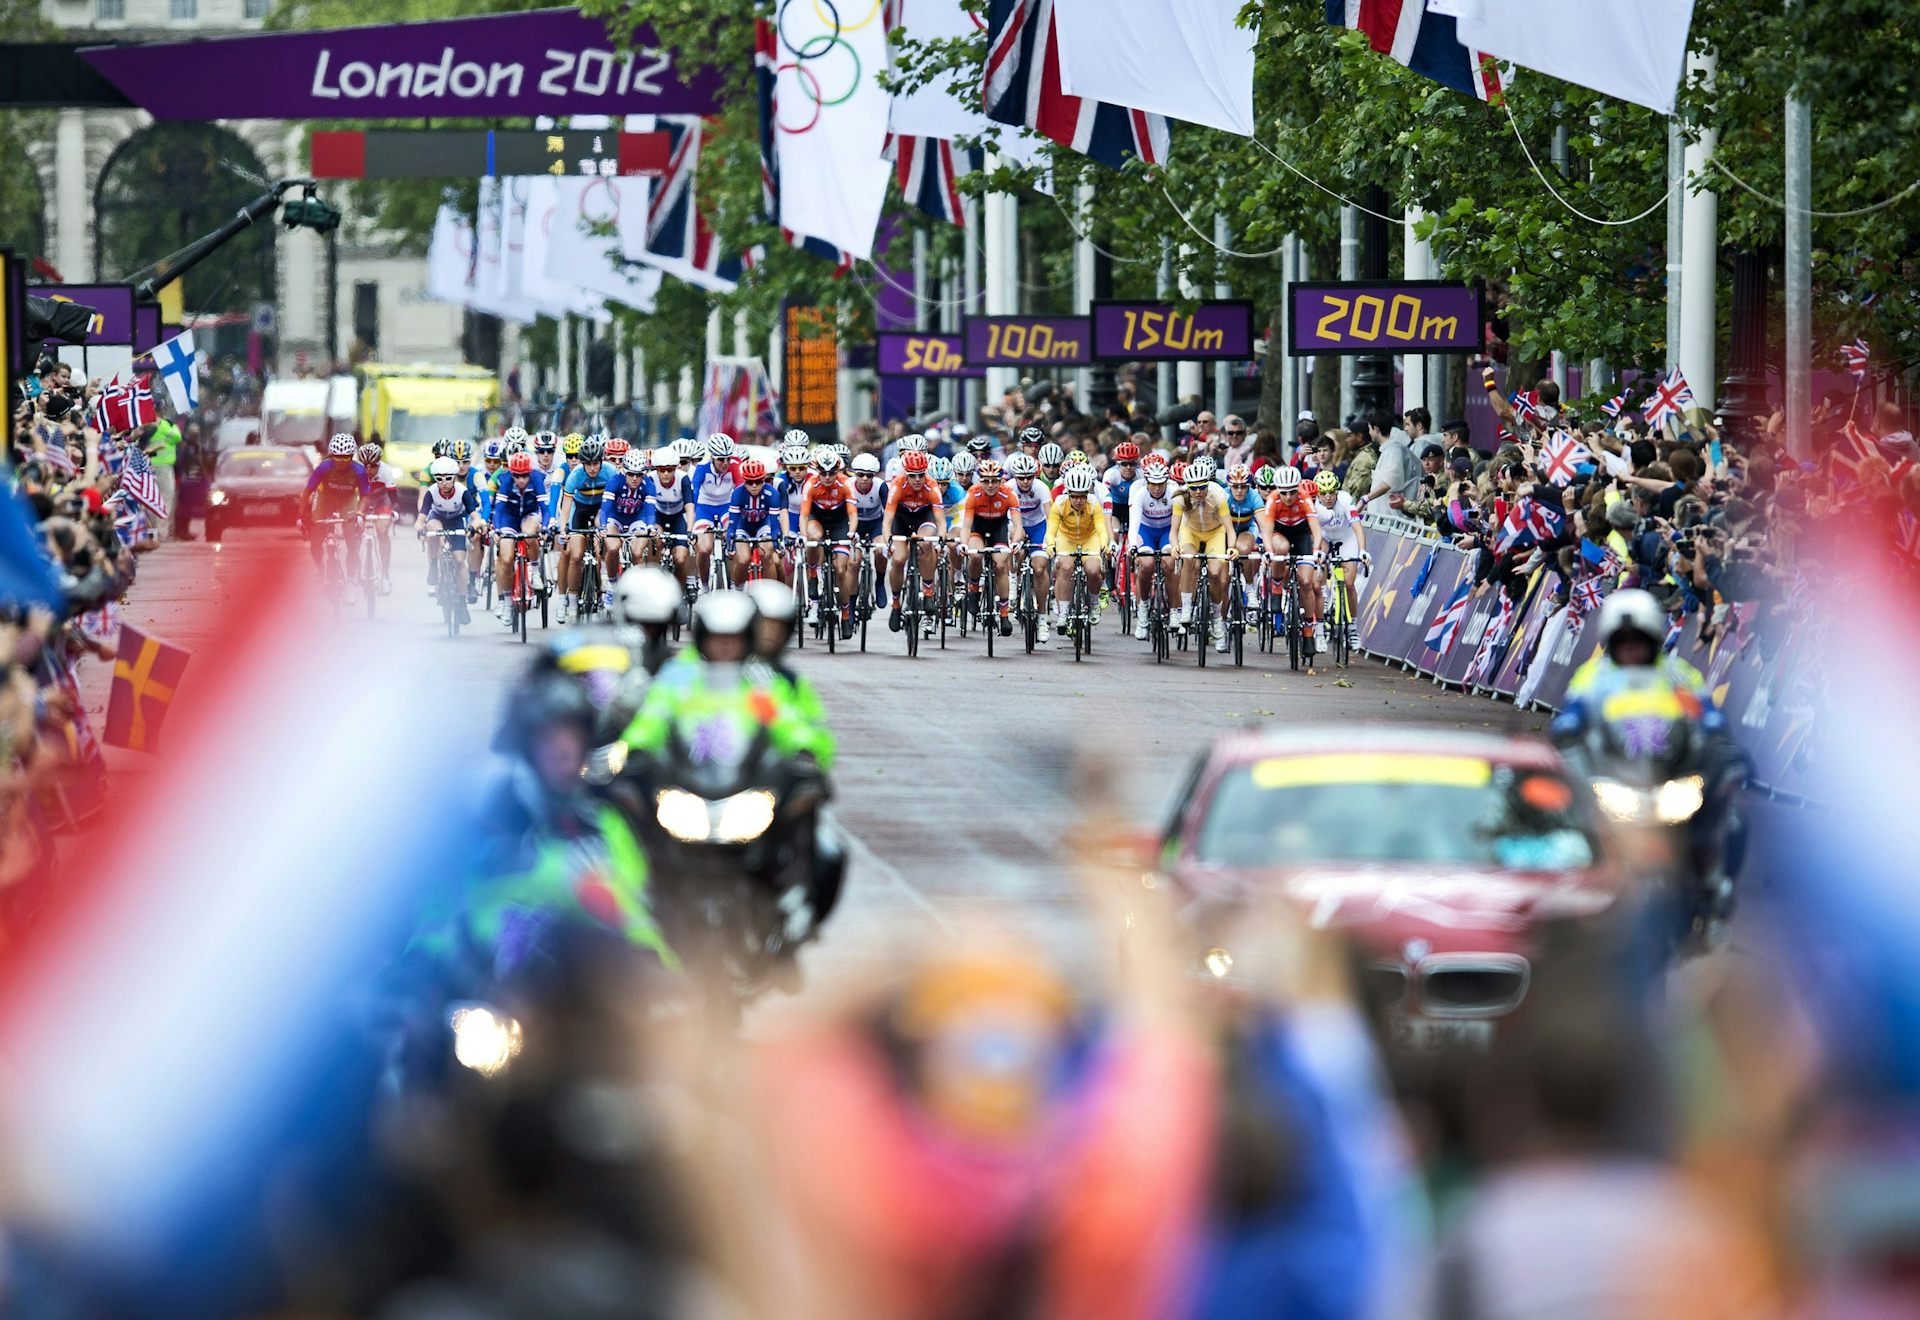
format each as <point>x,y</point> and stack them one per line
<point>137,479</point>
<point>1668,399</point>
<point>1425,41</point>
<point>1022,87</point>
<point>1491,641</point>
<point>1586,596</point>
<point>928,170</point>
<point>1526,404</point>
<point>766,77</point>
<point>1857,353</point>
<point>676,227</point>
<point>1444,631</point>
<point>1562,456</point>
<point>1616,405</point>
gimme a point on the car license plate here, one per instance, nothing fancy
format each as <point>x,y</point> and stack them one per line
<point>1425,1035</point>
<point>268,509</point>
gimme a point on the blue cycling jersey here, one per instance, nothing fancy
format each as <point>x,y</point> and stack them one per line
<point>337,479</point>
<point>749,513</point>
<point>714,484</point>
<point>626,501</point>
<point>588,486</point>
<point>518,499</point>
<point>1241,508</point>
<point>481,484</point>
<point>789,492</point>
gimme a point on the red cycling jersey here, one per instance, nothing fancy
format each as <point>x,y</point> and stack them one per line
<point>912,493</point>
<point>1290,512</point>
<point>826,492</point>
<point>997,501</point>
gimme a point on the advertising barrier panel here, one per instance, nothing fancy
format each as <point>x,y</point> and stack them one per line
<point>112,305</point>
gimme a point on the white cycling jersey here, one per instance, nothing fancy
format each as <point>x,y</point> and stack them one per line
<point>870,504</point>
<point>1035,499</point>
<point>1148,509</point>
<point>1336,523</point>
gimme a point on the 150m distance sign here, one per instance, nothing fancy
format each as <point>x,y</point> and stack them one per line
<point>1414,316</point>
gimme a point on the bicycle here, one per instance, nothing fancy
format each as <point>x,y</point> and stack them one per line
<point>448,590</point>
<point>988,615</point>
<point>1159,611</point>
<point>333,562</point>
<point>370,557</point>
<point>863,589</point>
<point>1235,615</point>
<point>1201,619</point>
<point>1123,584</point>
<point>1339,614</point>
<point>911,602</point>
<point>828,620</point>
<point>592,595</point>
<point>521,593</point>
<point>1083,607</point>
<point>486,565</point>
<point>1026,605</point>
<point>1293,613</point>
<point>943,585</point>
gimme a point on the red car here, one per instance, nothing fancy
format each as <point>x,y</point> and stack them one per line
<point>1439,854</point>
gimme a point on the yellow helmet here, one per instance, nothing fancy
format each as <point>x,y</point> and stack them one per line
<point>1327,482</point>
<point>571,445</point>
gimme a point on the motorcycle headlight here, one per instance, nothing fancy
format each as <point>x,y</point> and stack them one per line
<point>616,758</point>
<point>743,817</point>
<point>484,1040</point>
<point>1620,801</point>
<point>682,814</point>
<point>1218,963</point>
<point>1678,799</point>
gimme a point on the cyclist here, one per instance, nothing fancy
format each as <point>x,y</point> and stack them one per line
<point>383,483</point>
<point>758,514</point>
<point>1346,542</point>
<point>825,502</point>
<point>689,451</point>
<point>1035,499</point>
<point>518,506</point>
<point>669,501</point>
<point>909,444</point>
<point>986,525</point>
<point>869,511</point>
<point>1149,528</point>
<point>579,517</point>
<point>448,506</point>
<point>336,488</point>
<point>1119,479</point>
<point>1052,457</point>
<point>623,512</point>
<point>964,467</point>
<point>915,511</point>
<point>1243,503</point>
<point>1201,524</point>
<point>1029,440</point>
<point>1292,522</point>
<point>795,466</point>
<point>715,477</point>
<point>981,448</point>
<point>1077,523</point>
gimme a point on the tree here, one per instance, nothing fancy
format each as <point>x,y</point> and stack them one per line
<point>23,221</point>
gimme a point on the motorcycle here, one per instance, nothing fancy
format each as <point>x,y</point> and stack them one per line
<point>1671,788</point>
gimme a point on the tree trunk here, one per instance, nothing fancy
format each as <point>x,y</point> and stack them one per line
<point>1273,369</point>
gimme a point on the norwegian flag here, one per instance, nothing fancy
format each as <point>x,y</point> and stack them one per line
<point>137,479</point>
<point>125,407</point>
<point>1022,87</point>
<point>676,226</point>
<point>766,77</point>
<point>1672,395</point>
<point>1562,456</point>
<point>1491,641</point>
<point>1526,405</point>
<point>1906,535</point>
<point>1856,355</point>
<point>1616,405</point>
<point>928,171</point>
<point>1444,631</point>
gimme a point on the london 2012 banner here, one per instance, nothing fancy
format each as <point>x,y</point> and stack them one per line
<point>543,62</point>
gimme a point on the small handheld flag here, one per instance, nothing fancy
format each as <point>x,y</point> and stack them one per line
<point>1672,395</point>
<point>1444,631</point>
<point>1856,355</point>
<point>146,673</point>
<point>175,363</point>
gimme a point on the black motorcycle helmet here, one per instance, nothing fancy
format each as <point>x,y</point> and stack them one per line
<point>548,701</point>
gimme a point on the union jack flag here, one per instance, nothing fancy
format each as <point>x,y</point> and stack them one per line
<point>1425,39</point>
<point>1561,457</point>
<point>129,519</point>
<point>766,77</point>
<point>1491,640</point>
<point>676,227</point>
<point>1616,405</point>
<point>137,479</point>
<point>1906,535</point>
<point>1586,596</point>
<point>1668,399</point>
<point>1444,631</point>
<point>928,171</point>
<point>1023,87</point>
<point>1856,355</point>
<point>1675,626</point>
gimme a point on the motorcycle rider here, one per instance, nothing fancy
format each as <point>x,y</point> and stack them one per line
<point>1632,629</point>
<point>645,601</point>
<point>772,633</point>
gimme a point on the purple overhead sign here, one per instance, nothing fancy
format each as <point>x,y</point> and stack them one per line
<point>544,62</point>
<point>1413,316</point>
<point>1222,329</point>
<point>921,353</point>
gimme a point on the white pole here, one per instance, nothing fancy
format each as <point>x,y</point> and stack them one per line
<point>1349,270</point>
<point>619,367</point>
<point>975,238</point>
<point>1799,277</point>
<point>1191,375</point>
<point>1083,270</point>
<point>1289,378</point>
<point>1699,277</point>
<point>1418,259</point>
<point>1676,211</point>
<point>949,324</point>
<point>1163,373</point>
<point>742,335</point>
<point>564,341</point>
<point>999,379</point>
<point>1297,369</point>
<point>1222,371</point>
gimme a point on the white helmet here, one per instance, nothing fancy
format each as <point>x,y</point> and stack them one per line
<point>912,442</point>
<point>342,446</point>
<point>794,455</point>
<point>941,470</point>
<point>963,464</point>
<point>795,436</point>
<point>828,462</point>
<point>664,457</point>
<point>645,595</point>
<point>1199,472</point>
<point>687,448</point>
<point>634,462</point>
<point>1635,609</point>
<point>1052,455</point>
<point>1155,471</point>
<point>1022,465</point>
<point>444,469</point>
<point>1286,479</point>
<point>514,435</point>
<point>720,445</point>
<point>774,600</point>
<point>1079,480</point>
<point>866,465</point>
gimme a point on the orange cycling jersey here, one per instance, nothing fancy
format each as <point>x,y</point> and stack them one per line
<point>992,501</point>
<point>912,493</point>
<point>1290,512</point>
<point>826,492</point>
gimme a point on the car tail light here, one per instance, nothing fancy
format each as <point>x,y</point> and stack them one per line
<point>1472,985</point>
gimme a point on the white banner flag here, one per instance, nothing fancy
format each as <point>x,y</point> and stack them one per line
<point>1181,58</point>
<point>831,126</point>
<point>596,223</point>
<point>553,297</point>
<point>492,273</point>
<point>450,258</point>
<point>1632,49</point>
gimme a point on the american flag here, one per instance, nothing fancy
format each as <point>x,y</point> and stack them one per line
<point>137,479</point>
<point>1490,641</point>
<point>1444,631</point>
<point>676,226</point>
<point>1672,395</point>
<point>1856,355</point>
<point>766,77</point>
<point>1022,87</point>
<point>55,454</point>
<point>928,171</point>
<point>1561,456</point>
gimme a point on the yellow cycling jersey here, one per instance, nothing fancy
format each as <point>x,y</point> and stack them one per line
<point>1202,512</point>
<point>1081,529</point>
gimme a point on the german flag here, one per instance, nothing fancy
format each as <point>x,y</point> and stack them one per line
<point>146,672</point>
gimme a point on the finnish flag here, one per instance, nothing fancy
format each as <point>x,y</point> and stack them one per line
<point>174,363</point>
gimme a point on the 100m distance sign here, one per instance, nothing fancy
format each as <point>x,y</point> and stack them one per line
<point>1028,341</point>
<point>1413,316</point>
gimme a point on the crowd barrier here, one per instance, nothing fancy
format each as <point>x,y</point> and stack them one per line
<point>1768,685</point>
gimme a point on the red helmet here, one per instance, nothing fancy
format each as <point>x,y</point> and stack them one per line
<point>914,462</point>
<point>520,464</point>
<point>616,447</point>
<point>753,470</point>
<point>1179,471</point>
<point>1126,452</point>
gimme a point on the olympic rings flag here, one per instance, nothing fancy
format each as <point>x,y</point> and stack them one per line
<point>832,120</point>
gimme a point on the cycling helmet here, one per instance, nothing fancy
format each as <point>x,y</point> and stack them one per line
<point>964,464</point>
<point>1079,481</point>
<point>1155,472</point>
<point>753,470</point>
<point>1032,435</point>
<point>1327,482</point>
<point>1075,457</point>
<point>1265,477</point>
<point>1022,465</point>
<point>341,446</point>
<point>665,459</point>
<point>1052,455</point>
<point>514,435</point>
<point>1288,478</point>
<point>688,449</point>
<point>941,470</point>
<point>1631,610</point>
<point>592,450</point>
<point>493,450</point>
<point>840,449</point>
<point>616,447</point>
<point>913,463</point>
<point>520,464</point>
<point>1126,452</point>
<point>634,462</point>
<point>720,445</point>
<point>1179,470</point>
<point>646,595</point>
<point>441,448</point>
<point>444,469</point>
<point>828,462</point>
<point>866,465</point>
<point>818,453</point>
<point>1199,472</point>
<point>980,446</point>
<point>721,614</point>
<point>1237,475</point>
<point>990,469</point>
<point>461,451</point>
<point>571,445</point>
<point>794,455</point>
<point>915,443</point>
<point>796,436</point>
<point>545,442</point>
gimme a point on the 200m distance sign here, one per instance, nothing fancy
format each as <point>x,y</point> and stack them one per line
<point>1413,316</point>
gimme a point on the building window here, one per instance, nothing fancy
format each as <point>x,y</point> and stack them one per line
<point>255,9</point>
<point>109,11</point>
<point>185,11</point>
